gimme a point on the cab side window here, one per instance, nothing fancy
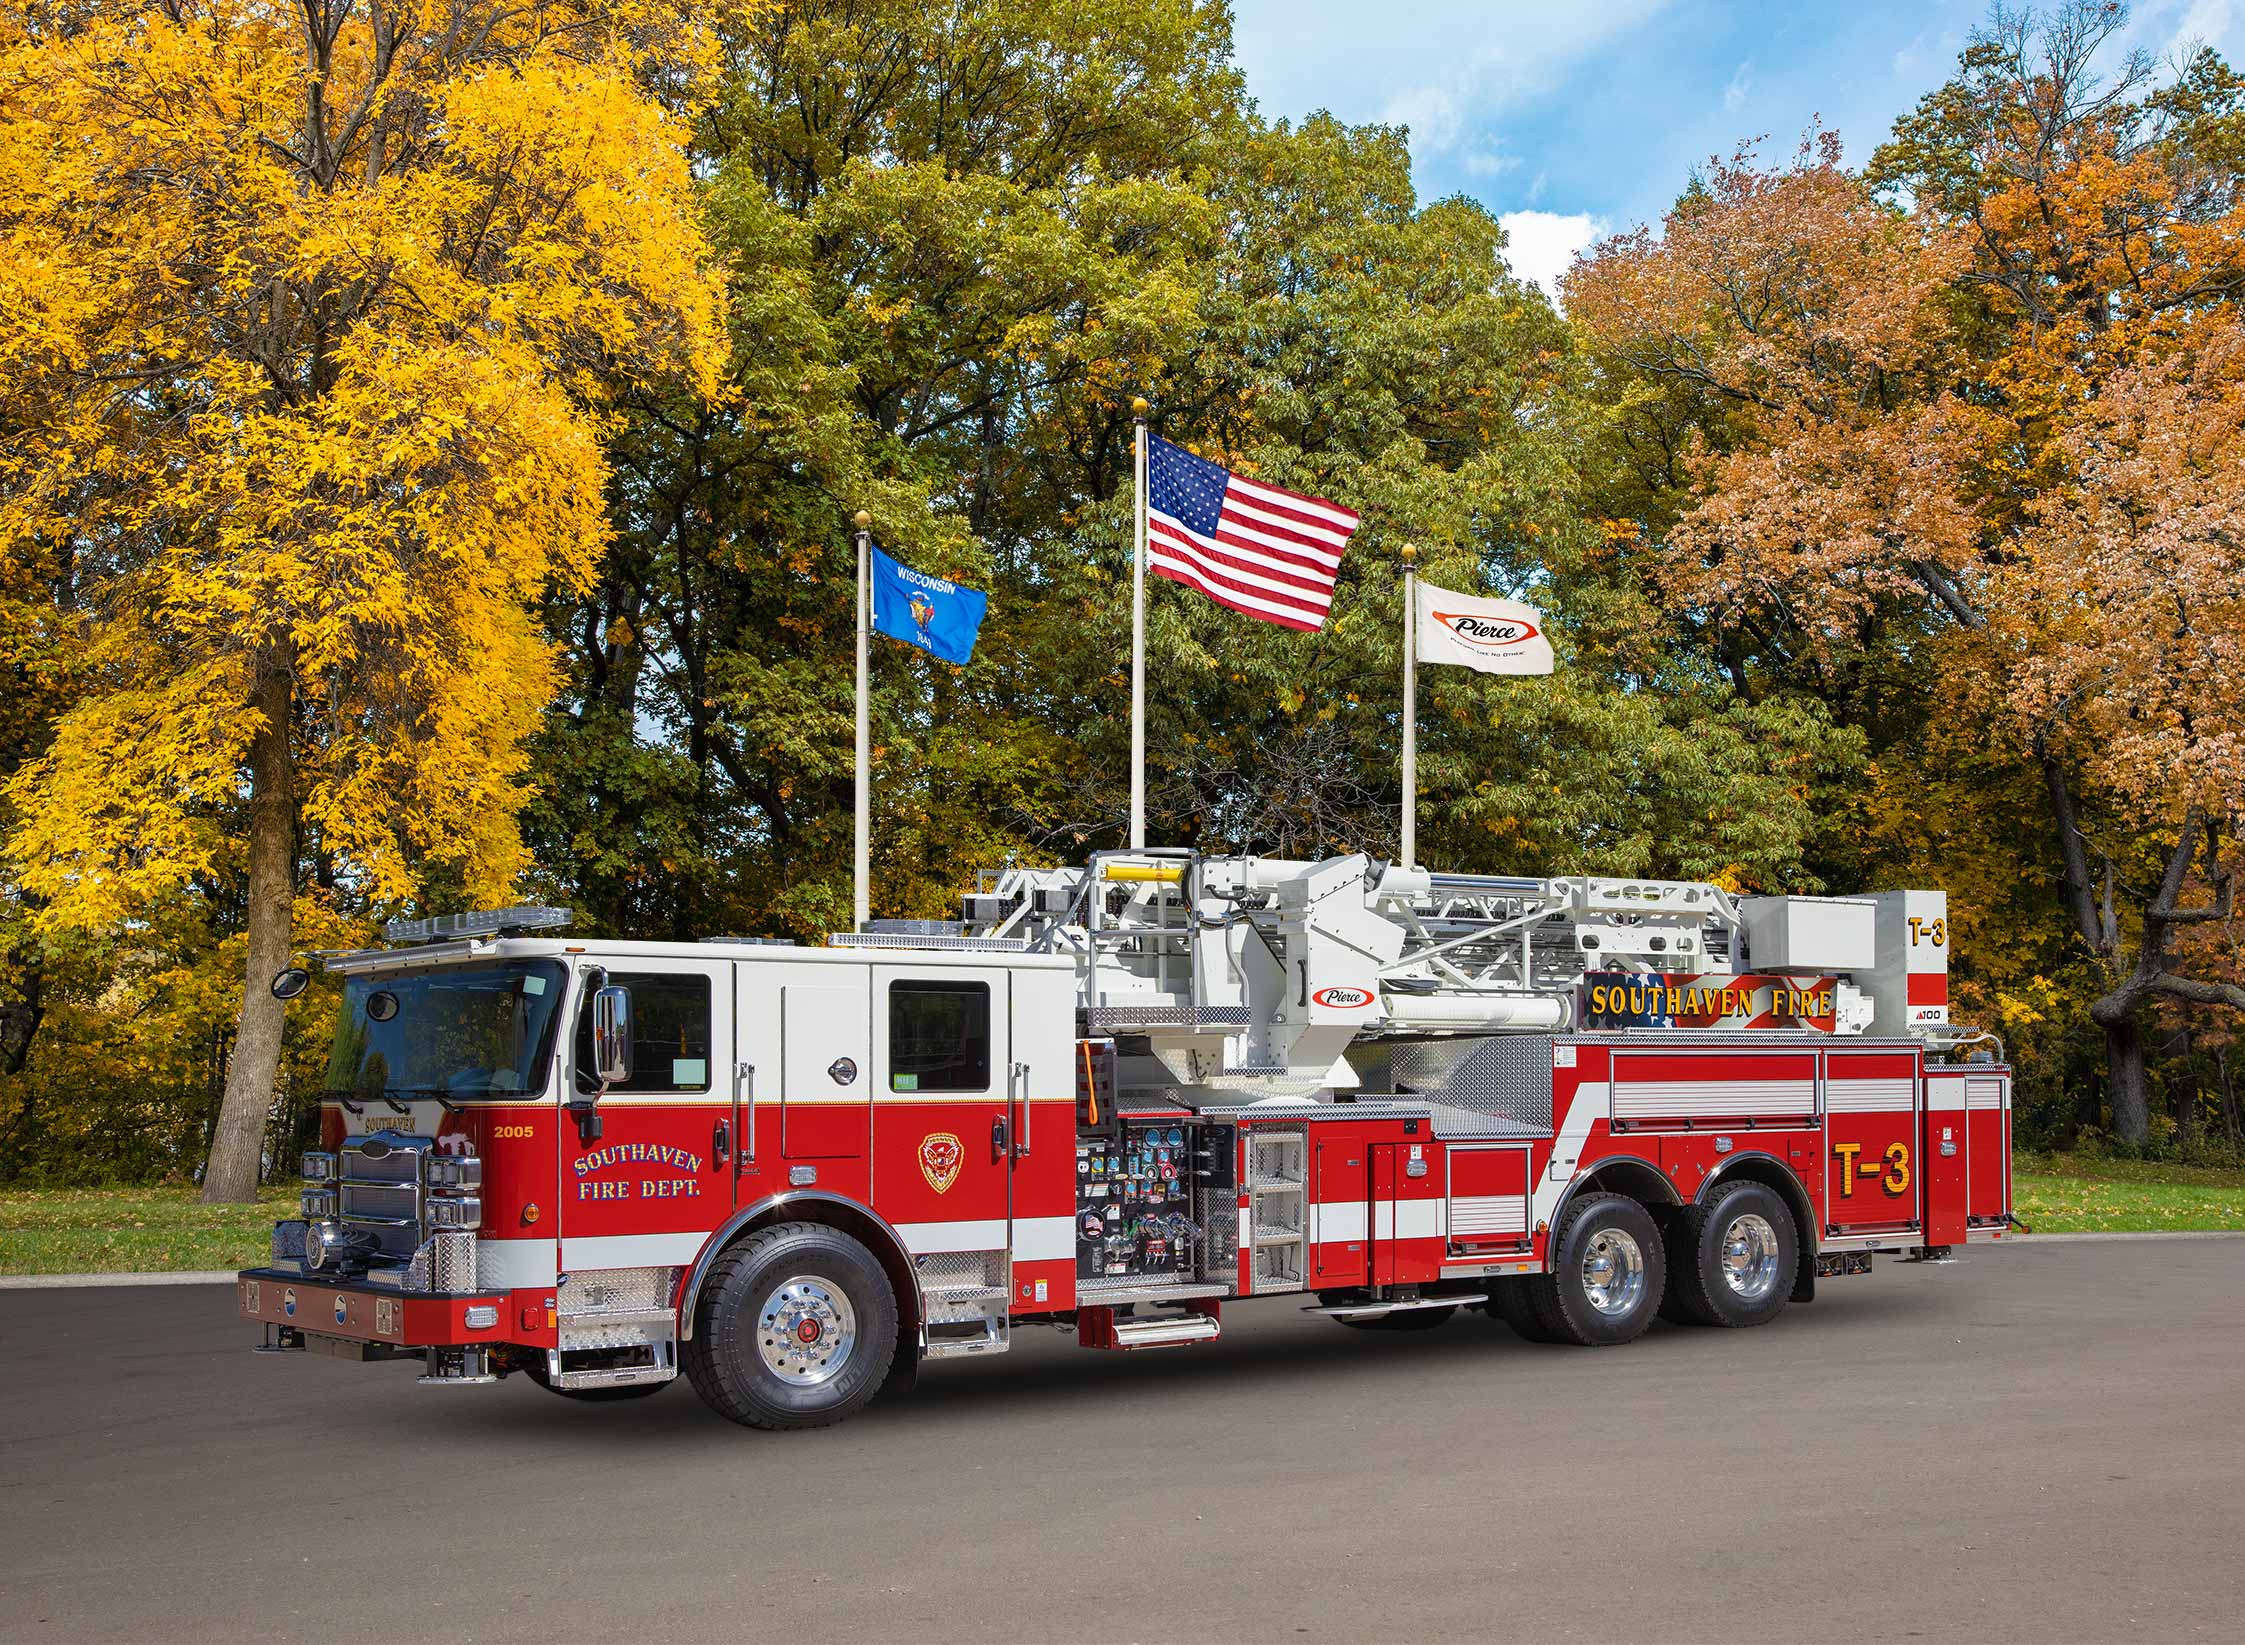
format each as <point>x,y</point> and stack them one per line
<point>939,1036</point>
<point>669,1031</point>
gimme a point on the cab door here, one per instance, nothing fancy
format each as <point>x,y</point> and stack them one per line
<point>802,1076</point>
<point>656,1179</point>
<point>945,1125</point>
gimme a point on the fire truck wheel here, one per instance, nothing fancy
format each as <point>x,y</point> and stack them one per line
<point>796,1328</point>
<point>1509,1301</point>
<point>1608,1272</point>
<point>1736,1257</point>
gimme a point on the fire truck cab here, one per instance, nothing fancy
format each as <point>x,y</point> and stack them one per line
<point>1115,1099</point>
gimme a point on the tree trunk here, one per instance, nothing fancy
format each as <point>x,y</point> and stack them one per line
<point>2124,1079</point>
<point>238,1144</point>
<point>2229,1096</point>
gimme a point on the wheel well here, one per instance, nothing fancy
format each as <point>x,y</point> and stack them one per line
<point>845,1216</point>
<point>1627,1175</point>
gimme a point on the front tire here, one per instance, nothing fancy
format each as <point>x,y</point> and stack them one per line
<point>1736,1257</point>
<point>796,1328</point>
<point>1609,1271</point>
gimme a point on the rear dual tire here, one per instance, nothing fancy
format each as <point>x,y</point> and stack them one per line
<point>1732,1262</point>
<point>1609,1270</point>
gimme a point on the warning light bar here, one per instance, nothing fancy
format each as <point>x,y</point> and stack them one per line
<point>489,922</point>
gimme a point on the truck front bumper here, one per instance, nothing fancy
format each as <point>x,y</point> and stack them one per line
<point>359,1311</point>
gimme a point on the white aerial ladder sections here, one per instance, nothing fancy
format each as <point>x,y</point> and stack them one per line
<point>1247,974</point>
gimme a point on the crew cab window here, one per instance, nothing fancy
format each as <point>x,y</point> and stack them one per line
<point>669,1031</point>
<point>939,1036</point>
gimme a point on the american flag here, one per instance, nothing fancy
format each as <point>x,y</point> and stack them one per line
<point>1270,553</point>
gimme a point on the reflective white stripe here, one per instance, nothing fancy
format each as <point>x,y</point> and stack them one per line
<point>1589,1107</point>
<point>1408,1219</point>
<point>514,1263</point>
<point>1655,1099</point>
<point>1870,1096</point>
<point>1489,1214</point>
<point>1043,1239</point>
<point>983,1234</point>
<point>1344,1219</point>
<point>1944,1096</point>
<point>631,1251</point>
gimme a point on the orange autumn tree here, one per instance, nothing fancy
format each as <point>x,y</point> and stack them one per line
<point>310,314</point>
<point>1920,432</point>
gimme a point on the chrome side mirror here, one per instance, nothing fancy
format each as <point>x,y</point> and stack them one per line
<point>290,983</point>
<point>611,1035</point>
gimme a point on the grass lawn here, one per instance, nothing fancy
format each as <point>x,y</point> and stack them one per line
<point>138,1230</point>
<point>114,1230</point>
<point>2071,1194</point>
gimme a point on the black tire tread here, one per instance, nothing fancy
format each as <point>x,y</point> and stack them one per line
<point>702,1352</point>
<point>1543,1289</point>
<point>1690,1277</point>
<point>1510,1300</point>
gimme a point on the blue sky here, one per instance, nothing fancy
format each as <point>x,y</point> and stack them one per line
<point>1571,120</point>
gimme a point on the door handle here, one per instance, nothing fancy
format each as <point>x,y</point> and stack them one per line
<point>744,1092</point>
<point>720,1143</point>
<point>1018,1077</point>
<point>998,1138</point>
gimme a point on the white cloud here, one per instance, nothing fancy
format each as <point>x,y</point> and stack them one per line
<point>1445,68</point>
<point>1734,94</point>
<point>1540,244</point>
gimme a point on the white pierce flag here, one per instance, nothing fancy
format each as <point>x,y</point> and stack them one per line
<point>1494,636</point>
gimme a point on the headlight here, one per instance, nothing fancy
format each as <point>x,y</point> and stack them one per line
<point>318,1203</point>
<point>319,1167</point>
<point>455,1171</point>
<point>315,1243</point>
<point>457,1214</point>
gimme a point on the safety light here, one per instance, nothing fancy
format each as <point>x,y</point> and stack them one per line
<point>319,1167</point>
<point>482,1316</point>
<point>489,922</point>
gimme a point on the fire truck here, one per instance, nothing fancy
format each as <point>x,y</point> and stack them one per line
<point>1123,1099</point>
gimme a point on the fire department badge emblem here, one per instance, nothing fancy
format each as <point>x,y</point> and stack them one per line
<point>941,1155</point>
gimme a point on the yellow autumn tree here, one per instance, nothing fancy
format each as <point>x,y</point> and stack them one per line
<point>307,317</point>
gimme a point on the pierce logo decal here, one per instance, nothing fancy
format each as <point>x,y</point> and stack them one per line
<point>1488,633</point>
<point>941,1155</point>
<point>1341,998</point>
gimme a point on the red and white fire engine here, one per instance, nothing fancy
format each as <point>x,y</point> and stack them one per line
<point>1118,1098</point>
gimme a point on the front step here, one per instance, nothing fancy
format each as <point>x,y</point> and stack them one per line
<point>1103,1328</point>
<point>663,1368</point>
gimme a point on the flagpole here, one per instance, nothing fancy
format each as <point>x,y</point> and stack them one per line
<point>1138,410</point>
<point>861,898</point>
<point>1410,708</point>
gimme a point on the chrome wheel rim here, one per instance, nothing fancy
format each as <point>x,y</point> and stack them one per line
<point>1749,1257</point>
<point>1613,1272</point>
<point>805,1331</point>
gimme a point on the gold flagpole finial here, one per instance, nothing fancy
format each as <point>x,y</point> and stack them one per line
<point>863,520</point>
<point>1139,407</point>
<point>1410,552</point>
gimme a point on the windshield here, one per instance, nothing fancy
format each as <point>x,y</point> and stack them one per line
<point>455,1030</point>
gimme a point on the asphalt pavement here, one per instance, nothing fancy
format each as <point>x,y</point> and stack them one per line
<point>2042,1442</point>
